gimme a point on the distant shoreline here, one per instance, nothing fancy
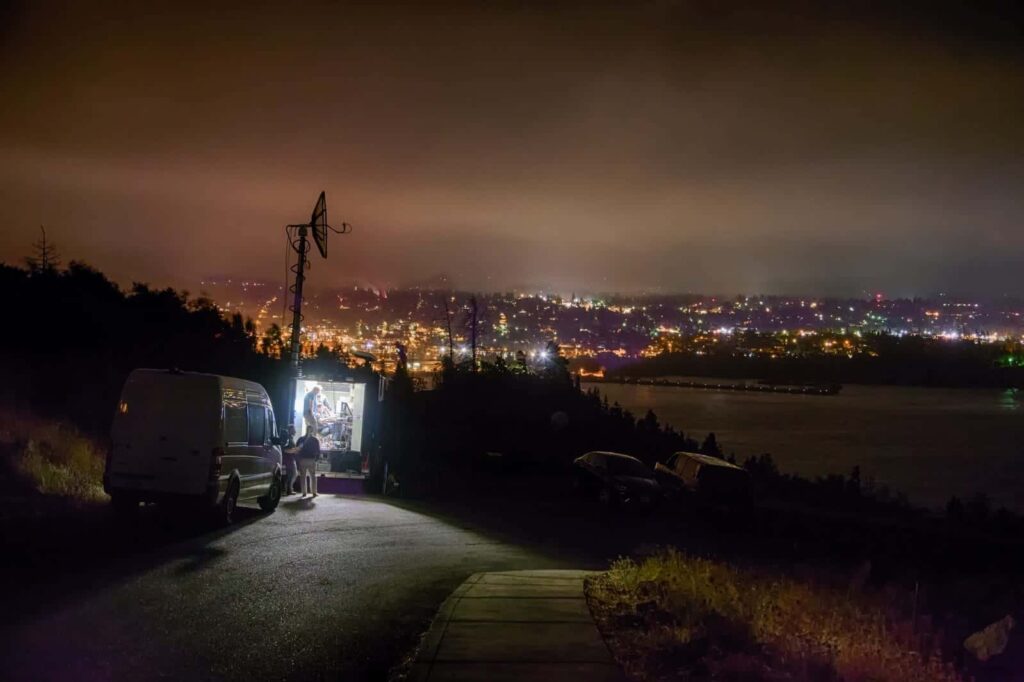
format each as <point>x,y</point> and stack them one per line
<point>954,368</point>
<point>725,385</point>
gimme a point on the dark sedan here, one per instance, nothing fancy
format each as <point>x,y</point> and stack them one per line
<point>614,479</point>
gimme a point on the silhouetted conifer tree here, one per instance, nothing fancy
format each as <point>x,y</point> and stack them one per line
<point>45,258</point>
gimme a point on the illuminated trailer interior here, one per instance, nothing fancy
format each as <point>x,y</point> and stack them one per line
<point>339,413</point>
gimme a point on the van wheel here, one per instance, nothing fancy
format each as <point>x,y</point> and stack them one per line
<point>229,504</point>
<point>268,502</point>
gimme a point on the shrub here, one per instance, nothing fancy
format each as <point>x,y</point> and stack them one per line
<point>725,617</point>
<point>52,458</point>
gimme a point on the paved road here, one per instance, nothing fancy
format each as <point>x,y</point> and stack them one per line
<point>336,589</point>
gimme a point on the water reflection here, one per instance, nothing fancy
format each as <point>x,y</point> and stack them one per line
<point>929,443</point>
<point>1010,399</point>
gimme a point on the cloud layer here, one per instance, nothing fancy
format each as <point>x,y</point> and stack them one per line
<point>670,146</point>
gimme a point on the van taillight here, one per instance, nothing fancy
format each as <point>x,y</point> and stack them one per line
<point>216,458</point>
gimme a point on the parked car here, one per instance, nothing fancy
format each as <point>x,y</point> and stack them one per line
<point>614,479</point>
<point>193,440</point>
<point>706,480</point>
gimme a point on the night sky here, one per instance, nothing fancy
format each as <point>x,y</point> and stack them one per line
<point>676,146</point>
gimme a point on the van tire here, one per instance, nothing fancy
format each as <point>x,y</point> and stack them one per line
<point>268,502</point>
<point>226,508</point>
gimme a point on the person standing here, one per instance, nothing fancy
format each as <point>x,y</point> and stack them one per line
<point>311,410</point>
<point>291,467</point>
<point>308,454</point>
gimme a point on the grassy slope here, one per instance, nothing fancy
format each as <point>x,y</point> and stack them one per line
<point>47,459</point>
<point>672,616</point>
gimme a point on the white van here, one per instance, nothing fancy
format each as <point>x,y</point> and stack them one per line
<point>190,437</point>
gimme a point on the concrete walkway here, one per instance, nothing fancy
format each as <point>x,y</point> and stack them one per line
<point>516,625</point>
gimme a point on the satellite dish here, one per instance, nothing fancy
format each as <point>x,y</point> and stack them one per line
<point>298,239</point>
<point>318,223</point>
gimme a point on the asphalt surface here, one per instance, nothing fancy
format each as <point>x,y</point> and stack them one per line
<point>339,588</point>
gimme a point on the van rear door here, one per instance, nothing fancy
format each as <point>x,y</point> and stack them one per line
<point>164,433</point>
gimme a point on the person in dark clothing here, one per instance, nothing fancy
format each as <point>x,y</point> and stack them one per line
<point>291,467</point>
<point>307,456</point>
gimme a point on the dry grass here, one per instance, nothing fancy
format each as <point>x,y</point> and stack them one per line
<point>52,458</point>
<point>672,616</point>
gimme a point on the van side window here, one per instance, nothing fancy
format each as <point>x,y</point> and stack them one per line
<point>236,423</point>
<point>271,424</point>
<point>257,424</point>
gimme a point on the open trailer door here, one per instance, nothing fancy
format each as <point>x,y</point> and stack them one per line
<point>336,414</point>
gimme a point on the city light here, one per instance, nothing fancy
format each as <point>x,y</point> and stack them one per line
<point>621,328</point>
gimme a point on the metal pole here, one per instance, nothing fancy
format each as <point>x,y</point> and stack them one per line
<point>296,345</point>
<point>451,341</point>
<point>300,277</point>
<point>472,302</point>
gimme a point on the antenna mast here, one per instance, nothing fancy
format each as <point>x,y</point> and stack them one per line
<point>301,246</point>
<point>298,237</point>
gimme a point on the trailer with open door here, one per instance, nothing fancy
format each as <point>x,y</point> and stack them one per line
<point>342,412</point>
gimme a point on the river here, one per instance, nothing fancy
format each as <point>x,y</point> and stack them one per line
<point>925,442</point>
